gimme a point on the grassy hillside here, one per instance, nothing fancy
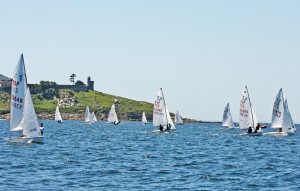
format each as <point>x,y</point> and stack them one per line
<point>76,102</point>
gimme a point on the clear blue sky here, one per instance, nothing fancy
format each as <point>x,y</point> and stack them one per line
<point>202,53</point>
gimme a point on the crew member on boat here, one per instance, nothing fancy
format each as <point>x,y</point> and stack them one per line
<point>258,127</point>
<point>161,128</point>
<point>42,128</point>
<point>249,130</point>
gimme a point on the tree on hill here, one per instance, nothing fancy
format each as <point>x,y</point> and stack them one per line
<point>72,78</point>
<point>79,83</point>
<point>50,93</point>
<point>47,84</point>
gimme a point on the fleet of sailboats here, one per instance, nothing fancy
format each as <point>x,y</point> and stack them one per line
<point>23,116</point>
<point>161,115</point>
<point>227,118</point>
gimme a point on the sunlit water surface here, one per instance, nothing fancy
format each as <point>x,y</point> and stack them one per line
<point>129,156</point>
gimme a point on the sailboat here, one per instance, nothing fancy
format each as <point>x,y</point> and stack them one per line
<point>227,118</point>
<point>87,115</point>
<point>58,117</point>
<point>178,119</point>
<point>92,118</point>
<point>23,116</point>
<point>281,117</point>
<point>144,119</point>
<point>247,115</point>
<point>161,115</point>
<point>112,116</point>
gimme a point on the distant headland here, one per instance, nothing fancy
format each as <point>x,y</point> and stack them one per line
<point>73,99</point>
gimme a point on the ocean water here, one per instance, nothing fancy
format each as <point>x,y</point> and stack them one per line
<point>201,156</point>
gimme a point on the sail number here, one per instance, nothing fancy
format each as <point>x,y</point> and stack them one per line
<point>17,105</point>
<point>16,99</point>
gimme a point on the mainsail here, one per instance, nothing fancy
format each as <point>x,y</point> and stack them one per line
<point>281,117</point>
<point>87,114</point>
<point>112,116</point>
<point>161,116</point>
<point>278,111</point>
<point>144,119</point>
<point>247,116</point>
<point>18,89</point>
<point>57,115</point>
<point>227,118</point>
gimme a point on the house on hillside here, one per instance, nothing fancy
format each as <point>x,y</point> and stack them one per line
<point>5,82</point>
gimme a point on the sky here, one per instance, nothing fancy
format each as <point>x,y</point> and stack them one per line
<point>202,53</point>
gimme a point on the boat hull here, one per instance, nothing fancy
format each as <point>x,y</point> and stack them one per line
<point>252,134</point>
<point>27,140</point>
<point>164,131</point>
<point>279,134</point>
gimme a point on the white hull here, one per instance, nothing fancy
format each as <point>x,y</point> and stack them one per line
<point>27,140</point>
<point>164,131</point>
<point>252,134</point>
<point>279,134</point>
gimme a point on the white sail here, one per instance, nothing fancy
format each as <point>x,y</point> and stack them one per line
<point>288,124</point>
<point>144,119</point>
<point>57,115</point>
<point>18,89</point>
<point>247,117</point>
<point>87,114</point>
<point>227,118</point>
<point>169,120</point>
<point>278,111</point>
<point>159,111</point>
<point>293,127</point>
<point>92,117</point>
<point>178,119</point>
<point>95,118</point>
<point>161,116</point>
<point>112,116</point>
<point>30,124</point>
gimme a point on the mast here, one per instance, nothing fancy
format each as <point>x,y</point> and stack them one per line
<point>250,107</point>
<point>165,105</point>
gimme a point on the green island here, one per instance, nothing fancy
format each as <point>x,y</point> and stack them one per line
<point>73,100</point>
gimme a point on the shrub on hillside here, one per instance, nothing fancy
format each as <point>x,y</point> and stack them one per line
<point>50,93</point>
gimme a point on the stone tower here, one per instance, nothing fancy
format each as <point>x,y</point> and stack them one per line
<point>90,84</point>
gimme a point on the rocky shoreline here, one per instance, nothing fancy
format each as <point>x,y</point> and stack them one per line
<point>100,117</point>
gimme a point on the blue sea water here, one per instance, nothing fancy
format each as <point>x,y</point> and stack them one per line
<point>197,156</point>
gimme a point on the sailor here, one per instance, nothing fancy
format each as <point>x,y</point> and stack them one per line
<point>169,126</point>
<point>257,127</point>
<point>161,128</point>
<point>249,130</point>
<point>279,130</point>
<point>42,128</point>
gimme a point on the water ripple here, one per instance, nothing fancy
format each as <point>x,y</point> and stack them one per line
<point>77,156</point>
